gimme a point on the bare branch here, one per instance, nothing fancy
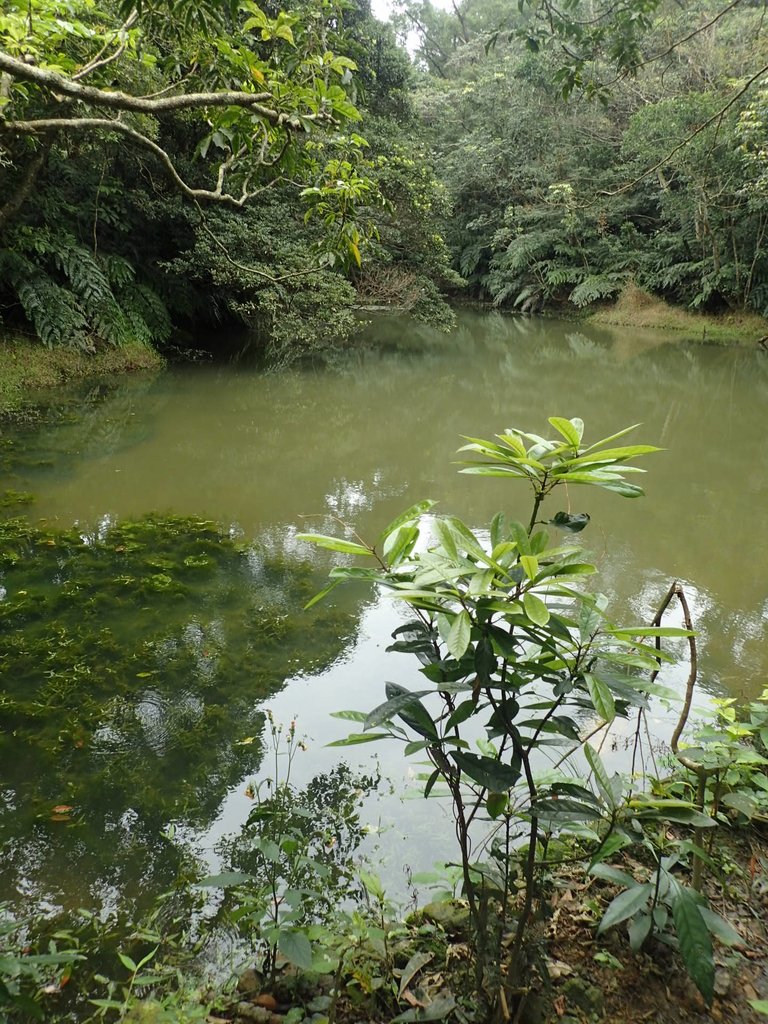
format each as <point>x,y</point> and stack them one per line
<point>116,100</point>
<point>43,126</point>
<point>689,138</point>
<point>97,61</point>
<point>252,270</point>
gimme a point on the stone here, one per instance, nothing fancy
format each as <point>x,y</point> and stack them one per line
<point>249,981</point>
<point>255,1014</point>
<point>451,915</point>
<point>586,997</point>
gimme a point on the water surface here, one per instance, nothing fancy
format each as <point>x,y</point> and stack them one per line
<point>264,457</point>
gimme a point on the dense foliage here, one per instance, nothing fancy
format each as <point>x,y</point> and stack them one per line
<point>188,165</point>
<point>628,152</point>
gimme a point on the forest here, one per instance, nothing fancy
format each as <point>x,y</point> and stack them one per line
<point>370,273</point>
<point>168,167</point>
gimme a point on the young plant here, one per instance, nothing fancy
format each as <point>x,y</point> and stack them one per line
<point>510,642</point>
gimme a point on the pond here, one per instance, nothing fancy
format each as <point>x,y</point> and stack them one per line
<point>151,596</point>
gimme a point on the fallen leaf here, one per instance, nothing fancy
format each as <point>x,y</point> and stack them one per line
<point>266,1000</point>
<point>62,809</point>
<point>559,1006</point>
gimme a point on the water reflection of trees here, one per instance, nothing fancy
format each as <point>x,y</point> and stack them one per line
<point>134,661</point>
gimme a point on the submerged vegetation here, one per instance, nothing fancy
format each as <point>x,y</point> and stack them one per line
<point>129,647</point>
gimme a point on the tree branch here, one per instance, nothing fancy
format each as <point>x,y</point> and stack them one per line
<point>218,194</point>
<point>697,131</point>
<point>99,61</point>
<point>116,100</point>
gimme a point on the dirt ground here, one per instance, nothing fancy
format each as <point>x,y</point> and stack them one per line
<point>653,986</point>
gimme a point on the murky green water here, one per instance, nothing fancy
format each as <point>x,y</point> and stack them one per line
<point>136,658</point>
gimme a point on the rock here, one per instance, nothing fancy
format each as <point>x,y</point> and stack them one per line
<point>256,1014</point>
<point>451,915</point>
<point>266,1000</point>
<point>586,997</point>
<point>249,981</point>
<point>320,1004</point>
<point>723,982</point>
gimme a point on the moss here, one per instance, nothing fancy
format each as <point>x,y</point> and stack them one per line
<point>27,367</point>
<point>639,309</point>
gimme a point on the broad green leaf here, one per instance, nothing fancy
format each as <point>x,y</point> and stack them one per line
<point>487,771</point>
<point>611,874</point>
<point>613,437</point>
<point>639,930</point>
<point>386,711</point>
<point>741,802</point>
<point>346,547</point>
<point>496,804</point>
<point>414,714</point>
<point>356,738</point>
<point>602,698</point>
<point>350,716</point>
<point>565,809</point>
<point>568,430</point>
<point>613,454</point>
<point>761,1005</point>
<point>321,594</point>
<point>126,961</point>
<point>625,905</point>
<point>296,948</point>
<point>530,565</point>
<point>595,762</point>
<point>535,608</point>
<point>694,941</point>
<point>720,928</point>
<point>457,640</point>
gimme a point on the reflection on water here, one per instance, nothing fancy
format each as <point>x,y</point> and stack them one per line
<point>279,454</point>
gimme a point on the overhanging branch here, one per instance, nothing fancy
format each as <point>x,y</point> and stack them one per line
<point>48,125</point>
<point>62,86</point>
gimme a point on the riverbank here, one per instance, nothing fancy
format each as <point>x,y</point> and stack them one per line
<point>26,366</point>
<point>639,309</point>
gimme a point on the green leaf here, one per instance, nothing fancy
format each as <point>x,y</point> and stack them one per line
<point>386,711</point>
<point>321,594</point>
<point>535,608</point>
<point>487,771</point>
<point>406,518</point>
<point>639,930</point>
<point>295,947</point>
<point>346,547</point>
<point>356,738</point>
<point>720,928</point>
<point>224,880</point>
<point>740,802</point>
<point>530,566</point>
<point>602,698</point>
<point>458,637</point>
<point>601,775</point>
<point>350,716</point>
<point>694,941</point>
<point>761,1005</point>
<point>414,714</point>
<point>496,804</point>
<point>625,905</point>
<point>568,430</point>
<point>611,874</point>
<point>126,961</point>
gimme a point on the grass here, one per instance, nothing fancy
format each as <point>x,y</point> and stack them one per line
<point>26,367</point>
<point>637,308</point>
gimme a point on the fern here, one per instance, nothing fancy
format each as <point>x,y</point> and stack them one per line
<point>597,286</point>
<point>73,298</point>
